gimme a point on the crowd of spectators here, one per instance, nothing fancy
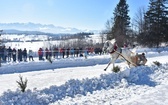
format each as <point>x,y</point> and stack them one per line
<point>9,54</point>
<point>12,54</point>
<point>66,52</point>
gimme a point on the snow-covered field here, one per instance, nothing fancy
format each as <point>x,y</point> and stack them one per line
<point>79,81</point>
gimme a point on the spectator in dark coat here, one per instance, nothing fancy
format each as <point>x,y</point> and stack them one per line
<point>67,52</point>
<point>56,52</point>
<point>46,53</point>
<point>2,52</point>
<point>77,52</point>
<point>9,53</point>
<point>14,54</point>
<point>25,54</point>
<point>5,53</point>
<point>62,52</point>
<point>20,55</point>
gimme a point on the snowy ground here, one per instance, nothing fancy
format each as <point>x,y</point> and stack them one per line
<point>79,81</point>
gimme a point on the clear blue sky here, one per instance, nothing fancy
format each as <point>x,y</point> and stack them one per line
<point>81,14</point>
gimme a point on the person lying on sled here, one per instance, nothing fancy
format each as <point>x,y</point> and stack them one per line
<point>139,59</point>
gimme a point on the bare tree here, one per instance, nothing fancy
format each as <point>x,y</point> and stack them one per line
<point>103,37</point>
<point>109,24</point>
<point>138,20</point>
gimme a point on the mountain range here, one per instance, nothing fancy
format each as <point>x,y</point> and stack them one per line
<point>37,27</point>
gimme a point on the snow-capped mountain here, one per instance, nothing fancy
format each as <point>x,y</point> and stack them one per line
<point>47,28</point>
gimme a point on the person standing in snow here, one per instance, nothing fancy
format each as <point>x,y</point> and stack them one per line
<point>85,53</point>
<point>72,52</point>
<point>14,54</point>
<point>2,52</point>
<point>63,52</point>
<point>56,51</point>
<point>9,53</point>
<point>67,52</point>
<point>5,54</point>
<point>49,56</point>
<point>25,54</point>
<point>19,53</point>
<point>31,55</point>
<point>46,53</point>
<point>40,54</point>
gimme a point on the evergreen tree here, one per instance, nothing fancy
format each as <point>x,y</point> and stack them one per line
<point>155,23</point>
<point>121,23</point>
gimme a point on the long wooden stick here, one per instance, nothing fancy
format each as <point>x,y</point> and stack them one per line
<point>125,58</point>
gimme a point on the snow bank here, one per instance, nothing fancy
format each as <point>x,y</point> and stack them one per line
<point>73,87</point>
<point>21,67</point>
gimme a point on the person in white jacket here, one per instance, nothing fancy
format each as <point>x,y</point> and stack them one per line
<point>86,53</point>
<point>31,55</point>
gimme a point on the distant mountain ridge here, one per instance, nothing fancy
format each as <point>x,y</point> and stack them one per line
<point>37,27</point>
<point>13,31</point>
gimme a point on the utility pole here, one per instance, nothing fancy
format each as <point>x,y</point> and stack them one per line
<point>0,45</point>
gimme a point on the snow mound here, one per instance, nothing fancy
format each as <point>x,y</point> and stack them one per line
<point>134,76</point>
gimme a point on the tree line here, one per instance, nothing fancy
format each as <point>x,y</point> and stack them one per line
<point>148,27</point>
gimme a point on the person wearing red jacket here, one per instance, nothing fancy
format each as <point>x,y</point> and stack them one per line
<point>40,54</point>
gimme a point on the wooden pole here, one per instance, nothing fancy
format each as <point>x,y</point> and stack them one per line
<point>126,59</point>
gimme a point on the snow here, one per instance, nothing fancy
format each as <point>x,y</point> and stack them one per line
<point>80,81</point>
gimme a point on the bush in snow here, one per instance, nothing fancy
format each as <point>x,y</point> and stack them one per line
<point>22,84</point>
<point>116,69</point>
<point>157,63</point>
